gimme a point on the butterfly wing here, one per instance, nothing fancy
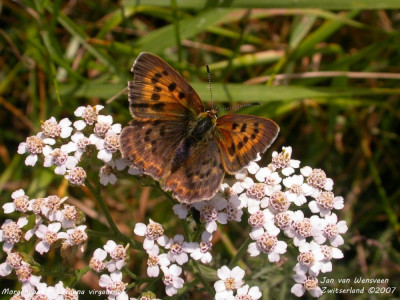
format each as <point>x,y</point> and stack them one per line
<point>158,92</point>
<point>241,137</point>
<point>199,177</point>
<point>150,145</point>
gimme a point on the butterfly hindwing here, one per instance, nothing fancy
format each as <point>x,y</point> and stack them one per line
<point>199,177</point>
<point>158,92</point>
<point>241,137</point>
<point>150,145</point>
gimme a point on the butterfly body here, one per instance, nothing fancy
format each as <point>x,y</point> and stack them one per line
<point>173,139</point>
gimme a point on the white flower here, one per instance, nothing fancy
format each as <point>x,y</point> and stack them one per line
<point>152,232</point>
<point>96,262</point>
<point>212,212</point>
<point>329,252</point>
<point>88,113</point>
<point>155,261</point>
<point>107,146</point>
<point>325,202</point>
<point>20,202</point>
<point>76,236</point>
<point>247,293</point>
<point>60,158</point>
<point>181,210</point>
<point>233,209</point>
<point>28,280</point>
<point>67,216</point>
<point>48,235</point>
<point>171,279</point>
<point>268,243</point>
<point>114,285</point>
<point>178,249</point>
<point>106,173</point>
<point>118,256</point>
<point>284,161</point>
<point>202,251</point>
<point>230,280</point>
<point>243,182</point>
<point>304,283</point>
<point>13,261</point>
<point>297,189</point>
<point>81,142</point>
<point>302,228</point>
<point>11,233</point>
<point>46,292</point>
<point>317,180</point>
<point>331,229</point>
<point>37,144</point>
<point>309,259</point>
<point>51,129</point>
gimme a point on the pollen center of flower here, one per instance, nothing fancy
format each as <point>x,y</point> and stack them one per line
<point>37,205</point>
<point>77,176</point>
<point>257,219</point>
<point>282,160</point>
<point>230,283</point>
<point>83,143</point>
<point>59,157</point>
<point>168,279</point>
<point>327,252</point>
<point>267,242</point>
<point>205,246</point>
<point>306,258</point>
<point>257,190</point>
<point>152,260</point>
<point>22,203</point>
<point>303,227</point>
<point>331,230</point>
<point>296,189</point>
<point>34,144</point>
<point>209,213</point>
<point>111,143</point>
<point>70,213</point>
<point>50,237</point>
<point>118,253</point>
<point>325,200</point>
<point>24,273</point>
<point>96,264</point>
<point>14,259</point>
<point>279,201</point>
<point>176,248</point>
<point>317,178</point>
<point>117,287</point>
<point>154,231</point>
<point>90,115</point>
<point>11,232</point>
<point>101,128</point>
<point>53,202</point>
<point>283,220</point>
<point>78,236</point>
<point>311,283</point>
<point>51,129</point>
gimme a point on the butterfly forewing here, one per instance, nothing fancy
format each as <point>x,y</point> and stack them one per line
<point>241,137</point>
<point>199,177</point>
<point>158,92</point>
<point>150,145</point>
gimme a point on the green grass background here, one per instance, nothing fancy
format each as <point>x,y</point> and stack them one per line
<point>343,117</point>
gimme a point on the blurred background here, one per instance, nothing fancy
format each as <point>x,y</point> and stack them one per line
<point>327,72</point>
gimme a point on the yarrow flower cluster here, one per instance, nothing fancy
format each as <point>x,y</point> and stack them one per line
<point>276,199</point>
<point>56,225</point>
<point>57,145</point>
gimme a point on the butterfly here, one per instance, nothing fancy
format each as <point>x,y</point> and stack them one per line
<point>175,140</point>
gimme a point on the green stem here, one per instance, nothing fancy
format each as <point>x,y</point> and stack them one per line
<point>240,253</point>
<point>196,269</point>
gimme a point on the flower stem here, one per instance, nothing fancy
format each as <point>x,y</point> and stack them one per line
<point>240,253</point>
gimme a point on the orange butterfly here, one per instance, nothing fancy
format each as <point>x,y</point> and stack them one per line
<point>174,139</point>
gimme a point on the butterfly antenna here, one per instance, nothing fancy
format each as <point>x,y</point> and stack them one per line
<point>209,83</point>
<point>235,107</point>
